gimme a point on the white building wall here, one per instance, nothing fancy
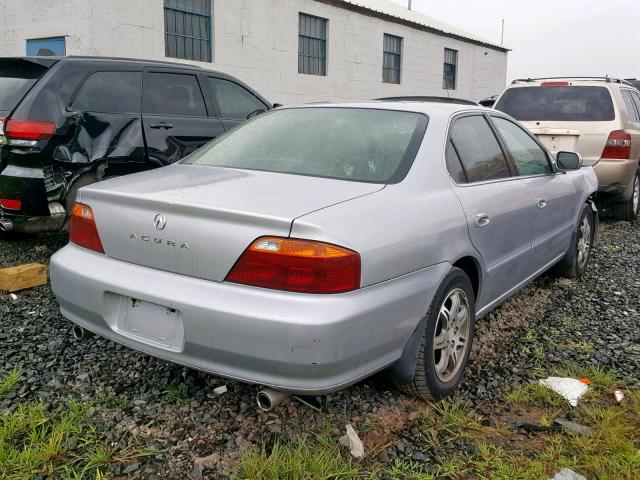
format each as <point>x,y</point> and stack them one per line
<point>257,41</point>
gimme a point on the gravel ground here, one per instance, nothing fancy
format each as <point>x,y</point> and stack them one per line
<point>174,411</point>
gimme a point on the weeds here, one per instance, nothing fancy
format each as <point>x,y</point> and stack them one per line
<point>178,395</point>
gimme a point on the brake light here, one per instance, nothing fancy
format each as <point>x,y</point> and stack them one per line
<point>10,203</point>
<point>555,84</point>
<point>83,230</point>
<point>297,266</point>
<point>29,130</point>
<point>618,146</point>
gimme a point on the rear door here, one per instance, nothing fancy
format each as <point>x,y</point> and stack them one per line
<point>564,116</point>
<point>175,116</point>
<point>234,103</point>
<point>106,116</point>
<point>555,197</point>
<point>497,204</point>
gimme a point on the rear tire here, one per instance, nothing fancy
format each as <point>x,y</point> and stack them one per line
<point>445,344</point>
<point>628,210</point>
<point>576,260</point>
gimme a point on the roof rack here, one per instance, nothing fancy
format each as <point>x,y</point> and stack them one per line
<point>457,101</point>
<point>579,77</point>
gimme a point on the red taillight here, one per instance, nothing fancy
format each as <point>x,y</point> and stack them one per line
<point>618,146</point>
<point>29,130</point>
<point>83,230</point>
<point>555,84</point>
<point>10,203</point>
<point>297,266</point>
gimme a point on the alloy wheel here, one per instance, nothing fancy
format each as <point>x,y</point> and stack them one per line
<point>584,242</point>
<point>451,335</point>
<point>636,194</point>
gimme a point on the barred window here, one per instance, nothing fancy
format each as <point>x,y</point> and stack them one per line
<point>392,59</point>
<point>450,69</point>
<point>312,45</point>
<point>187,27</point>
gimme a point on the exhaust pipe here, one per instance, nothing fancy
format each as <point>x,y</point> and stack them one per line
<point>268,399</point>
<point>6,225</point>
<point>80,333</point>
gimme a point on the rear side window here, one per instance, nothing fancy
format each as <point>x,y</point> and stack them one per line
<point>635,97</point>
<point>16,78</point>
<point>173,94</point>
<point>529,157</point>
<point>558,103</point>
<point>110,92</point>
<point>630,105</point>
<point>234,101</point>
<point>478,149</point>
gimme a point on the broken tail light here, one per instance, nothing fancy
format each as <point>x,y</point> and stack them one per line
<point>618,146</point>
<point>83,230</point>
<point>297,266</point>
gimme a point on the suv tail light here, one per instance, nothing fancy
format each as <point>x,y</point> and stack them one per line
<point>10,203</point>
<point>83,230</point>
<point>297,266</point>
<point>618,146</point>
<point>28,132</point>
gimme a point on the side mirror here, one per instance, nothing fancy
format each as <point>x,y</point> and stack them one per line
<point>569,161</point>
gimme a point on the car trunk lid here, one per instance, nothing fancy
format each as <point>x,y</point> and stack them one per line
<point>195,220</point>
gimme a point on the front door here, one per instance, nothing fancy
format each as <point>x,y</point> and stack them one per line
<point>175,116</point>
<point>495,204</point>
<point>556,196</point>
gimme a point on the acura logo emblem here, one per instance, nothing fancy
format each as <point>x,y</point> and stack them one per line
<point>160,222</point>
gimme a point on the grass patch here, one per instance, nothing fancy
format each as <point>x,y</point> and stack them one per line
<point>9,381</point>
<point>537,395</point>
<point>303,459</point>
<point>54,444</point>
<point>179,394</point>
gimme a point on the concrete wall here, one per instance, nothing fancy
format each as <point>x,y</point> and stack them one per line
<point>257,40</point>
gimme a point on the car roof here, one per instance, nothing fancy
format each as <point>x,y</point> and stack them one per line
<point>572,82</point>
<point>426,107</point>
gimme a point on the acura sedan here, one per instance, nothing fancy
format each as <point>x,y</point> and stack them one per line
<point>316,245</point>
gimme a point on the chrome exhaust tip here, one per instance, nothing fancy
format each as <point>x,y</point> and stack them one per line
<point>6,225</point>
<point>80,333</point>
<point>268,399</point>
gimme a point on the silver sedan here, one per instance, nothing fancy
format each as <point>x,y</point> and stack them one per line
<point>317,245</point>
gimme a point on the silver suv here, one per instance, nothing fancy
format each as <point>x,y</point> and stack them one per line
<point>596,117</point>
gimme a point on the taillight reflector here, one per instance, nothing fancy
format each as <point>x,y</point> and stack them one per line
<point>10,203</point>
<point>618,146</point>
<point>29,130</point>
<point>83,230</point>
<point>297,266</point>
<point>555,84</point>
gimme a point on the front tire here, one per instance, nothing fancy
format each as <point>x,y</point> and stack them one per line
<point>446,340</point>
<point>628,210</point>
<point>575,262</point>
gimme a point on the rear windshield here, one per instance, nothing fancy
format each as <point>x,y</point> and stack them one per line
<point>16,78</point>
<point>558,103</point>
<point>364,145</point>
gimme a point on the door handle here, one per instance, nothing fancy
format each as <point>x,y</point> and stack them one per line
<point>542,203</point>
<point>160,125</point>
<point>482,220</point>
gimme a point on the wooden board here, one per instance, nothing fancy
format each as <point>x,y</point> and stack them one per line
<point>23,277</point>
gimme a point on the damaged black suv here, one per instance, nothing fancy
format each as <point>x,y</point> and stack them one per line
<point>69,122</point>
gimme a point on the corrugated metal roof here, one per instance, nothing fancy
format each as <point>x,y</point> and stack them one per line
<point>386,7</point>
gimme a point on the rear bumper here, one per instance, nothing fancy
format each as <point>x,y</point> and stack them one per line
<point>616,177</point>
<point>27,184</point>
<point>307,344</point>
